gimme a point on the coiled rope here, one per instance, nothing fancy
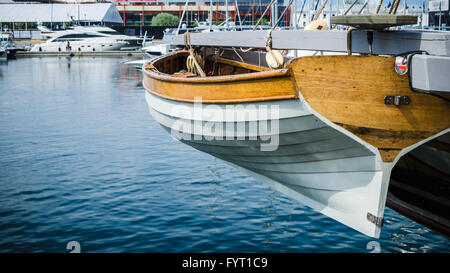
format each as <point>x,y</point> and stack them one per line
<point>194,62</point>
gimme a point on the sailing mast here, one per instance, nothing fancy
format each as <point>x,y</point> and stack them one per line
<point>238,13</point>
<point>210,15</point>
<point>226,14</point>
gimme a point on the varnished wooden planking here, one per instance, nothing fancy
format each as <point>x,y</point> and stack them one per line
<point>245,87</point>
<point>350,91</point>
<point>223,92</point>
<point>391,139</point>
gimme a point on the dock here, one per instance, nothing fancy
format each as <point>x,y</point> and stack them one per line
<point>25,54</point>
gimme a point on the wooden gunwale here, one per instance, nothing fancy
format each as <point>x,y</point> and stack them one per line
<point>215,79</point>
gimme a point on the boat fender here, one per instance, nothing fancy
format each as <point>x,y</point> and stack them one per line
<point>274,58</point>
<point>317,25</point>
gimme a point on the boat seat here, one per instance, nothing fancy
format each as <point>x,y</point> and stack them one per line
<point>184,75</point>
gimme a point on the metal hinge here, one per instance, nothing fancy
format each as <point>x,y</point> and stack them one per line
<point>378,221</point>
<point>397,100</point>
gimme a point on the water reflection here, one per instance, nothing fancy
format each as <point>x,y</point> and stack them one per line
<point>214,194</point>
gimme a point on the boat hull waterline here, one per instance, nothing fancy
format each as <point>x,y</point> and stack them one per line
<point>281,142</point>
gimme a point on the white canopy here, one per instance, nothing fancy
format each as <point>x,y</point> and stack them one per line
<point>98,12</point>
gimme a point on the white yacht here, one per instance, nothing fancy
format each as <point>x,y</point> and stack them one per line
<point>78,42</point>
<point>6,42</point>
<point>86,38</point>
<point>156,48</point>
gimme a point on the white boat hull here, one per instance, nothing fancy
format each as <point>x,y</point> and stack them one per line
<point>79,46</point>
<point>156,49</point>
<point>317,163</point>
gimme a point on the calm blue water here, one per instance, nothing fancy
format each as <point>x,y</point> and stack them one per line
<point>82,160</point>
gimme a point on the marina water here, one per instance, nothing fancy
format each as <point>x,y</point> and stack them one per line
<point>82,160</point>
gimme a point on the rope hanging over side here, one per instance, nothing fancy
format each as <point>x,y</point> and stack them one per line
<point>194,62</point>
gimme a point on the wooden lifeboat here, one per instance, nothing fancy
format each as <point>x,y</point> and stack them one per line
<point>227,81</point>
<point>340,134</point>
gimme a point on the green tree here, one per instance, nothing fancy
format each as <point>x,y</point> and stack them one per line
<point>264,22</point>
<point>165,19</point>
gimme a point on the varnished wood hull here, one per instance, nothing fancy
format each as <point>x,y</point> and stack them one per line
<point>248,87</point>
<point>350,91</point>
<point>338,141</point>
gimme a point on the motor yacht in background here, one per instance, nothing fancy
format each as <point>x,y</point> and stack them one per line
<point>87,38</point>
<point>7,44</point>
<point>156,48</point>
<point>78,42</point>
